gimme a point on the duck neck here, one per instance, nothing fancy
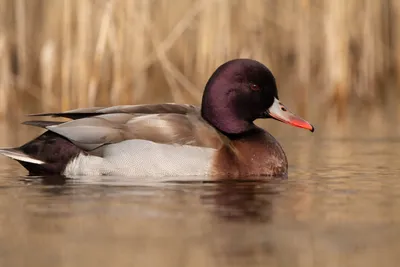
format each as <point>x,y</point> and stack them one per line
<point>225,120</point>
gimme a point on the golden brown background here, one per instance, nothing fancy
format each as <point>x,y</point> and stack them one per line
<point>329,57</point>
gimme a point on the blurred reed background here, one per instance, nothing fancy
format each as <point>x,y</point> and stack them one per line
<point>326,55</point>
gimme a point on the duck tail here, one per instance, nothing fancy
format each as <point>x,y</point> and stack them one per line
<point>47,154</point>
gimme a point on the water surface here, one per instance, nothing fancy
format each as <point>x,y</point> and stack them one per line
<point>340,206</point>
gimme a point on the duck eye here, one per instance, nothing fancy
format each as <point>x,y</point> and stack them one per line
<point>254,87</point>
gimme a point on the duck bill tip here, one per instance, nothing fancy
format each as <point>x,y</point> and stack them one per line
<point>300,123</point>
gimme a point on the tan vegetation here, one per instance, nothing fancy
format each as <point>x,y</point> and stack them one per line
<point>63,54</point>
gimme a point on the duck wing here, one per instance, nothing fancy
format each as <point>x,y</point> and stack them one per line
<point>131,109</point>
<point>174,124</point>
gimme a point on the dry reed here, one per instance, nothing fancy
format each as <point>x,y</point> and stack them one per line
<point>63,54</point>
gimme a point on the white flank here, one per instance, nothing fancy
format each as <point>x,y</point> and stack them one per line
<point>145,159</point>
<point>20,156</point>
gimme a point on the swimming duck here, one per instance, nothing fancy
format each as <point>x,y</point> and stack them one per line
<point>218,139</point>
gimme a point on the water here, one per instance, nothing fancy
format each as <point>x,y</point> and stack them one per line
<point>339,207</point>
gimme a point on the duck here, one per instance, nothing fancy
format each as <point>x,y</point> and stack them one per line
<point>216,140</point>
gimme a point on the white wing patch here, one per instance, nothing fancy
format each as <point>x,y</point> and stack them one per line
<point>144,158</point>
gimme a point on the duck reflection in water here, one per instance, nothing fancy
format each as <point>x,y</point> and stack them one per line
<point>236,201</point>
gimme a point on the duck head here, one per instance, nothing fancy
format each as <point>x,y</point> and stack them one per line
<point>241,91</point>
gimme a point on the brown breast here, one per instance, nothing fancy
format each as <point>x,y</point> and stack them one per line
<point>256,154</point>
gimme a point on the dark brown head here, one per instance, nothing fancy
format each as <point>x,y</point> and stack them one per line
<point>241,91</point>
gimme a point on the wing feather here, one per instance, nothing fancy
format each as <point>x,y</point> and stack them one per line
<point>131,109</point>
<point>92,128</point>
